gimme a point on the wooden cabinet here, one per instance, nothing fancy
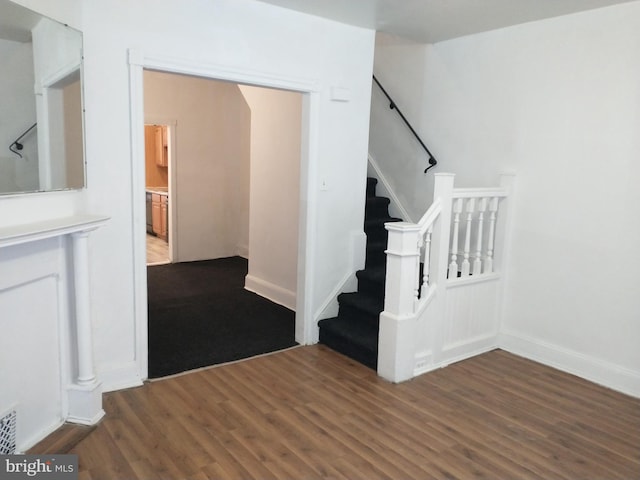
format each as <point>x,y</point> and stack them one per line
<point>162,154</point>
<point>160,215</point>
<point>157,144</point>
<point>164,217</point>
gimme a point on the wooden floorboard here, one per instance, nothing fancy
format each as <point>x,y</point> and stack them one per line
<point>310,413</point>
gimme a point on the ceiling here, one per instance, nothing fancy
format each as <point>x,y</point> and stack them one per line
<point>430,21</point>
<point>426,21</point>
<point>16,22</point>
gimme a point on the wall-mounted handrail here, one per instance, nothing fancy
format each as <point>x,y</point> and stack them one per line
<point>392,105</point>
<point>18,146</point>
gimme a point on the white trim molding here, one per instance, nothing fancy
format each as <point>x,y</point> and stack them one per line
<point>138,61</point>
<point>388,191</point>
<point>273,292</point>
<point>593,369</point>
<point>31,232</point>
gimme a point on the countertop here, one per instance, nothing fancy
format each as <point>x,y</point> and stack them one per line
<point>158,190</point>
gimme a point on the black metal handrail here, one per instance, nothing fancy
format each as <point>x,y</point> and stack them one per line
<point>17,143</point>
<point>392,105</point>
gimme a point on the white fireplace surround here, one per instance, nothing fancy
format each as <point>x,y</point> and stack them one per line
<point>59,249</point>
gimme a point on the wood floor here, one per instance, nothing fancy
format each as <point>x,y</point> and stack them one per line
<point>310,413</point>
<point>157,250</point>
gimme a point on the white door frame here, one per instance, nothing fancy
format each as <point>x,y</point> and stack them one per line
<point>138,61</point>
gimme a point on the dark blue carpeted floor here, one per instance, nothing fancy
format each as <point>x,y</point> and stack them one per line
<point>200,315</point>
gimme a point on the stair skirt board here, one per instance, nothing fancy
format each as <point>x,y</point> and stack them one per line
<point>354,331</point>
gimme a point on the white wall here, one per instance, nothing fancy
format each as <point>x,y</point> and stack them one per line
<point>558,102</point>
<point>32,303</point>
<point>275,193</point>
<point>212,161</point>
<point>399,65</point>
<point>64,11</point>
<point>238,35</point>
<point>241,35</point>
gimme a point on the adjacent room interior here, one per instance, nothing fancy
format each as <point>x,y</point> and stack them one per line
<point>222,195</point>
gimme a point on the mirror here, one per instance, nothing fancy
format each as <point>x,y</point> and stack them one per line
<point>41,121</point>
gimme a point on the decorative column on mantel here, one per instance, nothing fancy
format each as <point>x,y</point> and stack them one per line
<point>84,395</point>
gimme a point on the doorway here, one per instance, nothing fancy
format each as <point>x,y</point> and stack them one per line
<point>232,152</point>
<point>158,159</point>
<point>305,329</point>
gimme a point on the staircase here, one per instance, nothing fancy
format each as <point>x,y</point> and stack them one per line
<point>354,332</point>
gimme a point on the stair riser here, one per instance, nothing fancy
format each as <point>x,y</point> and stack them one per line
<point>358,315</point>
<point>354,332</point>
<point>376,233</point>
<point>366,357</point>
<point>371,287</point>
<point>371,187</point>
<point>375,258</point>
<point>376,207</point>
<point>376,211</point>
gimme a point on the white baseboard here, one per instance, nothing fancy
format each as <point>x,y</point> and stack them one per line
<point>243,251</point>
<point>118,377</point>
<point>41,435</point>
<point>273,292</point>
<point>454,353</point>
<point>595,370</point>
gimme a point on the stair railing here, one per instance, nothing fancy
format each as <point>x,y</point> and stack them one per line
<point>16,143</point>
<point>455,242</point>
<point>393,106</point>
<point>473,233</point>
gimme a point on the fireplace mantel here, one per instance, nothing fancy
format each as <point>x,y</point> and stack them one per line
<point>16,234</point>
<point>84,393</point>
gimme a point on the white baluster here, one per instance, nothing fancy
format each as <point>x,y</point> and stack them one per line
<point>453,266</point>
<point>477,263</point>
<point>416,284</point>
<point>466,266</point>
<point>427,262</point>
<point>493,208</point>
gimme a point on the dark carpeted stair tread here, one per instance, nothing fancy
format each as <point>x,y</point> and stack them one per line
<point>354,332</point>
<point>354,339</point>
<point>376,231</point>
<point>378,222</point>
<point>376,207</point>
<point>374,274</point>
<point>367,303</point>
<point>371,186</point>
<point>376,201</point>
<point>377,245</point>
<point>375,254</point>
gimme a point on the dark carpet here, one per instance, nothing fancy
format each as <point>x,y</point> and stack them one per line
<point>201,315</point>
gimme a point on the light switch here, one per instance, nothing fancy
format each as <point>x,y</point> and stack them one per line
<point>340,94</point>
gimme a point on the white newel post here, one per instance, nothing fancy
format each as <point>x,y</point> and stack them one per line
<point>395,344</point>
<point>85,394</point>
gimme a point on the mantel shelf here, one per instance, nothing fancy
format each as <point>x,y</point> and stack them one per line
<point>30,232</point>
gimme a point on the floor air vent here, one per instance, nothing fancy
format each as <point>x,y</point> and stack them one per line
<point>8,433</point>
